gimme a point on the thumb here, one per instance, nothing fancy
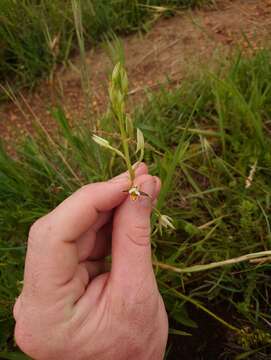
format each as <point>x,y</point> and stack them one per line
<point>131,247</point>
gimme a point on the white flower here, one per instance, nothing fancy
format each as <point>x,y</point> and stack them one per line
<point>166,222</point>
<point>134,193</point>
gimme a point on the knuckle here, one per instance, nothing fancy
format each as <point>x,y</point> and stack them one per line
<point>84,188</point>
<point>140,235</point>
<point>88,188</point>
<point>41,229</point>
<point>143,230</point>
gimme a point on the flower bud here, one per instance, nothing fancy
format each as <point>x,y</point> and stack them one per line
<point>101,141</point>
<point>119,79</point>
<point>104,143</point>
<point>140,144</point>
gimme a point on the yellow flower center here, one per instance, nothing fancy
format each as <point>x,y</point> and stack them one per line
<point>134,193</point>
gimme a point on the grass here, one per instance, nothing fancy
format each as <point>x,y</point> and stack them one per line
<point>35,36</point>
<point>209,141</point>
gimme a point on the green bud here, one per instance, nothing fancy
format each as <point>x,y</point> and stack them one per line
<point>140,144</point>
<point>119,79</point>
<point>104,143</point>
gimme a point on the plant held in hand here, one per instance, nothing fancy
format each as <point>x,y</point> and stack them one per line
<point>118,91</point>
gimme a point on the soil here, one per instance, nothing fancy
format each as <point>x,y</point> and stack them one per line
<point>165,54</point>
<point>209,341</point>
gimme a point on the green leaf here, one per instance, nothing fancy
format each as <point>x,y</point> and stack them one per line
<point>180,314</point>
<point>14,356</point>
<point>179,332</point>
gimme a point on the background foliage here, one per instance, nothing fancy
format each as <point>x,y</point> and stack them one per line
<point>203,139</point>
<point>37,35</point>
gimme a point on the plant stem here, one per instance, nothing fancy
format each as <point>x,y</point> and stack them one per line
<point>125,146</point>
<point>200,306</point>
<point>196,268</point>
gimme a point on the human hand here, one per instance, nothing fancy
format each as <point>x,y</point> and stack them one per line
<point>70,307</point>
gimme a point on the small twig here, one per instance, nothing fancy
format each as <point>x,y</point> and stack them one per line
<point>204,226</point>
<point>141,88</point>
<point>197,268</point>
<point>260,260</point>
<point>155,50</point>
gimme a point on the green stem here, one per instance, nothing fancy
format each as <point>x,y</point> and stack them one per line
<point>125,146</point>
<point>156,211</point>
<point>199,306</point>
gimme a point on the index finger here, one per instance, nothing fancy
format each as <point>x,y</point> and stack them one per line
<point>52,254</point>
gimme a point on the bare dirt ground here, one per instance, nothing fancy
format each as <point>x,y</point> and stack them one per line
<point>165,54</point>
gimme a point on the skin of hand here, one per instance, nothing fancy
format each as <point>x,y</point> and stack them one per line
<point>72,307</point>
